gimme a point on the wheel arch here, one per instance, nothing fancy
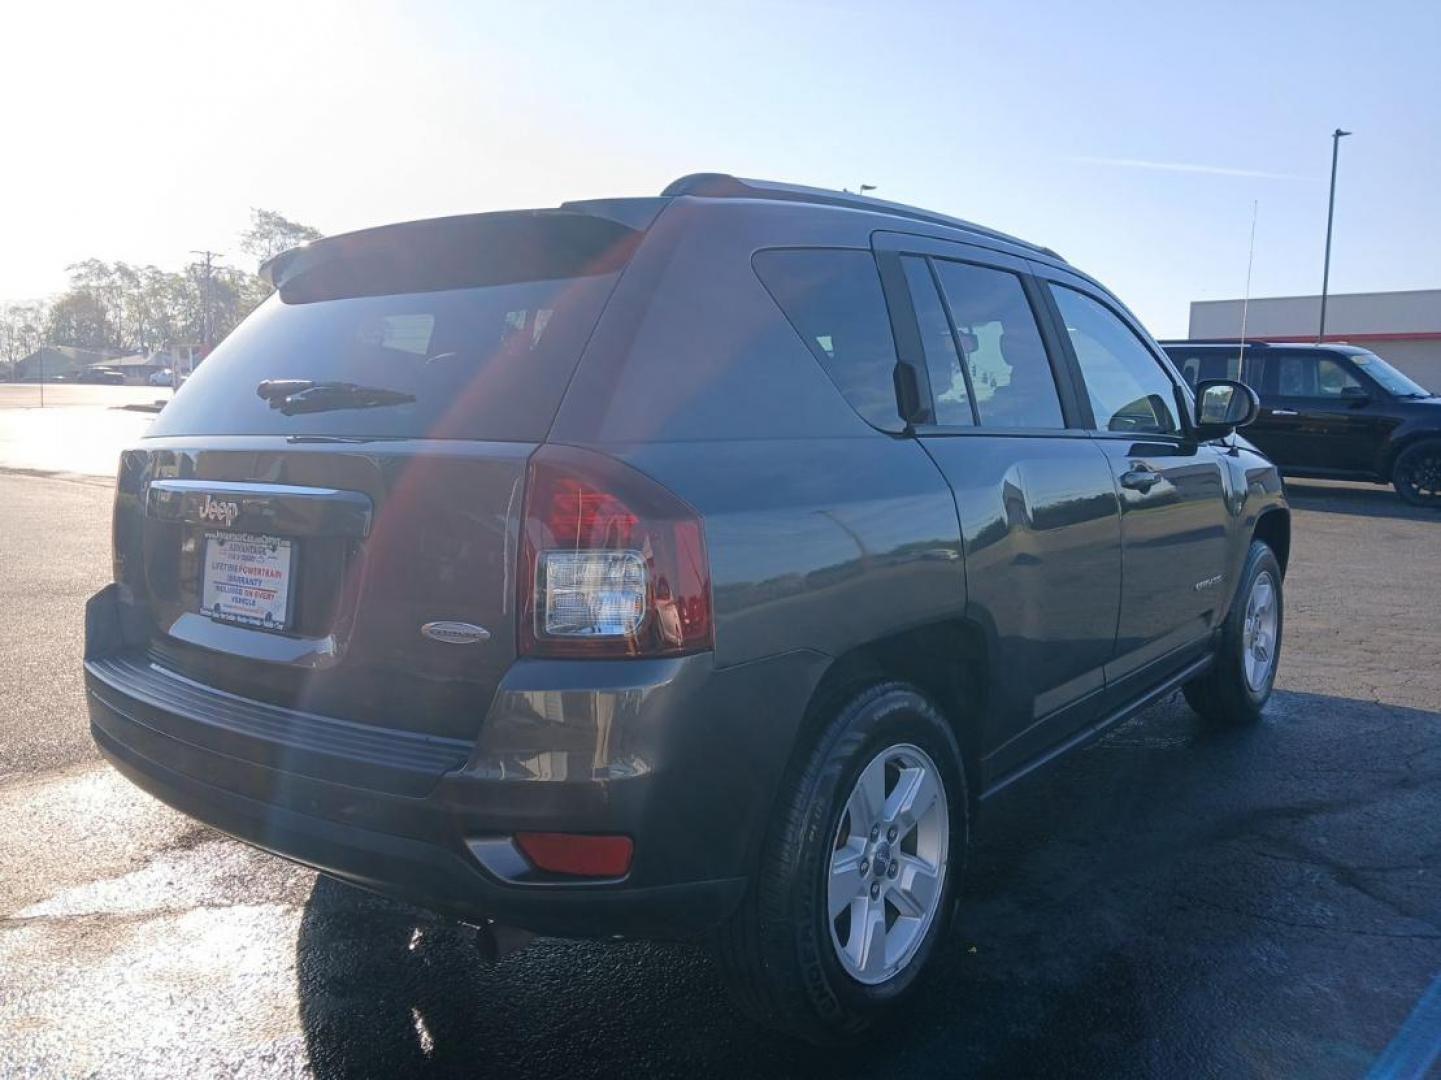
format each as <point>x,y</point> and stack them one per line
<point>945,660</point>
<point>1400,445</point>
<point>1274,528</point>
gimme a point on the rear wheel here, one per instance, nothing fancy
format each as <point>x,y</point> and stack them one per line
<point>859,872</point>
<point>1239,683</point>
<point>1417,473</point>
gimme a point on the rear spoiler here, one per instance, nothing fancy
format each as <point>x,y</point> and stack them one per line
<point>464,251</point>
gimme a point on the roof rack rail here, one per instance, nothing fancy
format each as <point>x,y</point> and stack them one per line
<point>725,186</point>
<point>1250,343</point>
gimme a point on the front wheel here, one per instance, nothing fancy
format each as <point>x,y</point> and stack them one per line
<point>1237,686</point>
<point>1416,475</point>
<point>859,871</point>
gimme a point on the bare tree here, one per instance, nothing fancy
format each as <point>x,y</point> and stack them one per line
<point>22,331</point>
<point>270,233</point>
<point>127,308</point>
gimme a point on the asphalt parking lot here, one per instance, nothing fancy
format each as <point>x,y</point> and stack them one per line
<point>1172,901</point>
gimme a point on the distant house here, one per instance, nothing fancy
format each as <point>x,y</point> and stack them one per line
<point>52,360</point>
<point>139,367</point>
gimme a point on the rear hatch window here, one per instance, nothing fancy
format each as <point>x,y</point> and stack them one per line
<point>461,328</point>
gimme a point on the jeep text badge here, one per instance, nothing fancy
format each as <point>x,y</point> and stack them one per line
<point>216,510</point>
<point>455,633</point>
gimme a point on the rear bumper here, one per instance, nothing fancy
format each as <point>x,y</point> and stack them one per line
<point>679,756</point>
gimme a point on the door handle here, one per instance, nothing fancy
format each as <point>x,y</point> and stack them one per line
<point>1284,412</point>
<point>1142,480</point>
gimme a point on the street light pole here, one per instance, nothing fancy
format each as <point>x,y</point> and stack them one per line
<point>1336,137</point>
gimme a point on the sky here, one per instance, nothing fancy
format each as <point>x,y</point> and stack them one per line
<point>1133,138</point>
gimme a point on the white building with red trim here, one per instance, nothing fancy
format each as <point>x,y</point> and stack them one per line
<point>1403,328</point>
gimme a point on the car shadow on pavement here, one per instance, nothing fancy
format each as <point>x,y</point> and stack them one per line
<point>1361,500</point>
<point>1173,900</point>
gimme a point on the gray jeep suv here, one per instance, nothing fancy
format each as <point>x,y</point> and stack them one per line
<point>690,566</point>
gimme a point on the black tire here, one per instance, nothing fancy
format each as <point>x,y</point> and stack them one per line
<point>1224,695</point>
<point>776,953</point>
<point>1416,475</point>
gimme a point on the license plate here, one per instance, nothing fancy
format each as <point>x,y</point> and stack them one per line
<point>247,579</point>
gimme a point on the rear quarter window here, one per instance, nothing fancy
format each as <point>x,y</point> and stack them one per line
<point>834,301</point>
<point>1204,364</point>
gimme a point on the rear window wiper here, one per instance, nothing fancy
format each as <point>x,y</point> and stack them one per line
<point>292,396</point>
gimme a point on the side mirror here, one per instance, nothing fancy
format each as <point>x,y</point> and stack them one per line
<point>1356,396</point>
<point>1222,406</point>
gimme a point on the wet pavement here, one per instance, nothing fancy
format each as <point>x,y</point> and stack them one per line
<point>1172,901</point>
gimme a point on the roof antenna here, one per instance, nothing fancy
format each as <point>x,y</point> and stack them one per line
<point>1246,298</point>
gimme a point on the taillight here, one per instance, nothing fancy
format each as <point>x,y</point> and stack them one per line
<point>612,564</point>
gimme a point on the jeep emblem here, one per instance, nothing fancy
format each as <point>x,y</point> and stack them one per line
<point>216,510</point>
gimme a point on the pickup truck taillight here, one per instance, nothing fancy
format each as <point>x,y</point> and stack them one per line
<point>611,563</point>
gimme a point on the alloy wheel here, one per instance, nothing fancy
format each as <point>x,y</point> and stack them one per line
<point>1258,642</point>
<point>1422,477</point>
<point>888,864</point>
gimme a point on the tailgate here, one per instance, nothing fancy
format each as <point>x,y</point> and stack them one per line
<point>364,547</point>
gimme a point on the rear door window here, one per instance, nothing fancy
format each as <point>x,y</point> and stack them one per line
<point>833,298</point>
<point>471,331</point>
<point>1005,357</point>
